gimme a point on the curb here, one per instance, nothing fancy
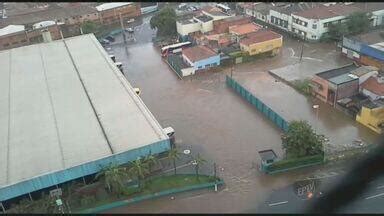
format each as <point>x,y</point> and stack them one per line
<point>148,197</point>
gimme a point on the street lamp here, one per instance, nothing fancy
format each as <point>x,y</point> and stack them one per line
<point>316,107</point>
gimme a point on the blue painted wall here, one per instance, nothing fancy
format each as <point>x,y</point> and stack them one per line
<point>51,179</point>
<point>205,62</point>
<point>372,52</point>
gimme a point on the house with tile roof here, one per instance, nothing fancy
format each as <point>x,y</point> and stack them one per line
<point>262,41</point>
<point>373,87</point>
<point>200,57</point>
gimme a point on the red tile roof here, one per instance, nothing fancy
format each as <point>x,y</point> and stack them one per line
<point>324,12</point>
<point>198,53</point>
<point>245,28</point>
<point>372,85</point>
<point>260,36</point>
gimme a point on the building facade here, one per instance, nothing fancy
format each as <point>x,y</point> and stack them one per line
<point>201,57</point>
<point>111,12</point>
<point>27,37</point>
<point>262,42</point>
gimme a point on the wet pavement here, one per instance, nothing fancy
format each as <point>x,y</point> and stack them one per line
<point>211,119</point>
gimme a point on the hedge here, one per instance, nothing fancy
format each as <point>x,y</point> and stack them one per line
<point>290,163</point>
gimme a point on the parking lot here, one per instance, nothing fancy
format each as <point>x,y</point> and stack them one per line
<point>211,119</point>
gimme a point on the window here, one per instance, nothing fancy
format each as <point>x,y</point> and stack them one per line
<point>314,36</point>
<point>214,64</point>
<point>326,25</point>
<point>199,67</point>
<point>305,24</point>
<point>314,26</point>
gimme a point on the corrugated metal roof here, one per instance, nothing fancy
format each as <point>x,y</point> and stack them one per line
<point>63,104</point>
<point>108,6</point>
<point>11,29</point>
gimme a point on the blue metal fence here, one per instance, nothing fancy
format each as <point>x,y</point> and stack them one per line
<point>258,104</point>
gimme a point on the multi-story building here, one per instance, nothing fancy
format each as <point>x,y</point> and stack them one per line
<point>16,35</point>
<point>111,12</point>
<point>311,24</point>
<point>201,21</point>
<point>67,15</point>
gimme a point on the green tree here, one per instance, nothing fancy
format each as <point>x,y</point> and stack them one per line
<point>198,162</point>
<point>164,22</point>
<point>114,177</point>
<point>150,160</point>
<point>358,22</point>
<point>337,31</point>
<point>301,140</point>
<point>139,168</point>
<point>90,27</point>
<point>174,154</point>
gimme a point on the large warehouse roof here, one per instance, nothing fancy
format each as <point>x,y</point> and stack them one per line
<point>66,110</point>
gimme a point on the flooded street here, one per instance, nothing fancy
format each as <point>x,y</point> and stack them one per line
<point>341,129</point>
<point>210,119</point>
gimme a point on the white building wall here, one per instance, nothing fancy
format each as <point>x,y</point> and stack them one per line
<point>185,29</point>
<point>207,26</point>
<point>314,33</point>
<point>188,71</point>
<point>378,17</point>
<point>366,76</point>
<point>281,16</point>
<point>370,94</point>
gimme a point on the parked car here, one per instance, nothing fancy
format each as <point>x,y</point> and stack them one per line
<point>104,42</point>
<point>110,39</point>
<point>131,20</point>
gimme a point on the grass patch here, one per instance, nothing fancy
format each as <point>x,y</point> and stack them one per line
<point>303,86</point>
<point>294,162</point>
<point>153,185</point>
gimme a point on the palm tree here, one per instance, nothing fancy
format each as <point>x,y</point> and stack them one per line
<point>174,154</point>
<point>114,177</point>
<point>150,160</point>
<point>198,161</point>
<point>139,168</point>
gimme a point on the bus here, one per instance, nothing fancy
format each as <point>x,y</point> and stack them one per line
<point>174,48</point>
<point>223,8</point>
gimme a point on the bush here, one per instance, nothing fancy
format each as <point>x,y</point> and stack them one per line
<point>302,86</point>
<point>87,200</point>
<point>294,162</point>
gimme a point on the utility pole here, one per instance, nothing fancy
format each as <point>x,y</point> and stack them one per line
<point>122,28</point>
<point>302,50</point>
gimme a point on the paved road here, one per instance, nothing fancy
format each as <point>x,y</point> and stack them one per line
<point>285,200</point>
<point>210,119</point>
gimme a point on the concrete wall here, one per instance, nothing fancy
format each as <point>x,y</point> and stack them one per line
<point>185,29</point>
<point>187,71</point>
<point>207,26</point>
<point>347,89</point>
<point>126,11</point>
<point>323,91</point>
<point>371,118</point>
<point>262,47</point>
